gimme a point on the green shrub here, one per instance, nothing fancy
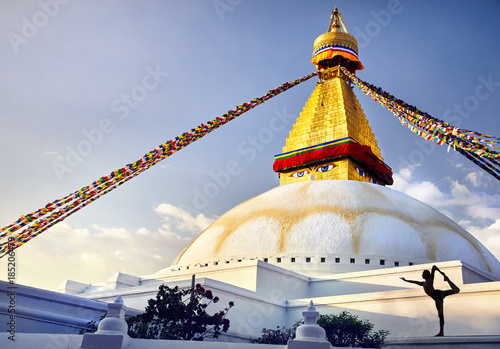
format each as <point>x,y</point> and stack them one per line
<point>347,330</point>
<point>342,330</point>
<point>277,336</point>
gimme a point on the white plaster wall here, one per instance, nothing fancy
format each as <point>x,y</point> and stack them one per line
<point>379,296</point>
<point>39,310</point>
<point>253,275</point>
<point>59,341</point>
<point>280,284</point>
<point>388,279</point>
<point>410,313</point>
<point>37,340</point>
<point>239,272</point>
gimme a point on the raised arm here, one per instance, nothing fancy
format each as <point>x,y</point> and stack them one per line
<point>420,283</point>
<point>434,269</point>
<point>437,269</point>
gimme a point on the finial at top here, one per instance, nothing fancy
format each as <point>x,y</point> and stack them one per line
<point>334,22</point>
<point>336,47</point>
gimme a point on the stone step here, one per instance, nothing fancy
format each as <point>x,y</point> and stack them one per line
<point>455,342</point>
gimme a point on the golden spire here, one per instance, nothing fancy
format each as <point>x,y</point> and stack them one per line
<point>336,47</point>
<point>332,139</point>
<point>334,22</point>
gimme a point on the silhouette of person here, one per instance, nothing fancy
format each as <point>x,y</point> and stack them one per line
<point>437,295</point>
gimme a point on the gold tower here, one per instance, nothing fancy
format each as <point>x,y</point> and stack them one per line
<point>332,139</point>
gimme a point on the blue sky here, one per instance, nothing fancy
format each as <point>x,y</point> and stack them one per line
<point>89,86</point>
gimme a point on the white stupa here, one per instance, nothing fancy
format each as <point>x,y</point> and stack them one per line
<point>332,212</point>
<point>331,226</point>
<point>332,232</point>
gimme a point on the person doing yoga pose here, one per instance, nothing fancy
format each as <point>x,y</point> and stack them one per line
<point>437,295</point>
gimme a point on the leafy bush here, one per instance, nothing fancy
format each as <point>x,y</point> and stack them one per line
<point>342,330</point>
<point>277,336</point>
<point>92,325</point>
<point>178,314</point>
<point>347,330</point>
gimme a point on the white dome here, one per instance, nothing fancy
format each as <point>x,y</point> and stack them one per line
<point>335,226</point>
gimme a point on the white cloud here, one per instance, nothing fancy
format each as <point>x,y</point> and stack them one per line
<point>182,219</point>
<point>477,211</point>
<point>400,183</point>
<point>461,195</point>
<point>403,177</point>
<point>473,178</point>
<point>406,173</point>
<point>94,254</point>
<point>488,235</point>
<point>477,204</point>
<point>424,191</point>
<point>483,211</point>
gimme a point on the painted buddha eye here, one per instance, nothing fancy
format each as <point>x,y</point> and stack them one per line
<point>360,172</point>
<point>300,174</point>
<point>325,168</point>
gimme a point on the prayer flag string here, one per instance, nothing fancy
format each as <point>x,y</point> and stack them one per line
<point>483,150</point>
<point>38,221</point>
